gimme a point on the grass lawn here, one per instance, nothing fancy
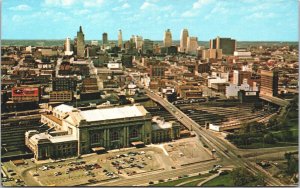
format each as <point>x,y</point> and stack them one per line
<point>224,180</point>
<point>193,183</point>
<point>261,145</point>
<point>176,182</point>
<point>293,137</point>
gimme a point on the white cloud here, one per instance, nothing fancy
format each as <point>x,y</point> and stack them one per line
<point>146,5</point>
<point>20,8</point>
<point>124,6</point>
<point>189,13</point>
<point>151,4</point>
<point>194,11</point>
<point>199,3</point>
<point>93,3</point>
<point>56,3</point>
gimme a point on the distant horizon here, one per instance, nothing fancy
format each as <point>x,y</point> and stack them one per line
<point>243,20</point>
<point>145,38</point>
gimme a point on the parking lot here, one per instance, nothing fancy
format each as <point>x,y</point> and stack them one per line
<point>188,150</point>
<point>89,169</point>
<point>95,168</point>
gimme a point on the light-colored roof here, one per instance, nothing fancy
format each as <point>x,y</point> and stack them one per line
<point>113,113</point>
<point>40,137</point>
<point>64,138</point>
<point>160,123</point>
<point>53,139</point>
<point>63,108</point>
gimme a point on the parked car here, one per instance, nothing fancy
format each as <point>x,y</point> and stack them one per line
<point>57,173</point>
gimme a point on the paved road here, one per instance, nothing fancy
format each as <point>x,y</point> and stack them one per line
<point>223,149</point>
<point>155,176</point>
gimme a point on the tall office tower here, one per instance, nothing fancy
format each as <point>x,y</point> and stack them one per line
<point>80,43</point>
<point>183,40</point>
<point>227,45</point>
<point>104,38</point>
<point>192,45</point>
<point>269,83</point>
<point>168,38</point>
<point>120,40</point>
<point>148,46</point>
<point>68,50</point>
<point>138,42</point>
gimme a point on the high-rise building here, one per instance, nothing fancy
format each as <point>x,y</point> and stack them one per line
<point>227,45</point>
<point>212,54</point>
<point>168,38</point>
<point>148,46</point>
<point>80,43</point>
<point>138,42</point>
<point>183,40</point>
<point>68,50</point>
<point>269,83</point>
<point>192,45</point>
<point>120,40</point>
<point>104,38</point>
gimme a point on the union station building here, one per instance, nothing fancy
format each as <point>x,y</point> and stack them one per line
<point>74,132</point>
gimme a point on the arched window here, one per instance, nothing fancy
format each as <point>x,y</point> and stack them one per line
<point>133,133</point>
<point>114,135</point>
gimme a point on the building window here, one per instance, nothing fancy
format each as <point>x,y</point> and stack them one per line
<point>114,135</point>
<point>133,133</point>
<point>95,138</point>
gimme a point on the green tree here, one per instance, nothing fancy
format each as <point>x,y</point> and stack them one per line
<point>260,180</point>
<point>269,138</point>
<point>292,164</point>
<point>241,176</point>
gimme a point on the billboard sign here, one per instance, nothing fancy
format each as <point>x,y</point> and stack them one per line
<point>26,91</point>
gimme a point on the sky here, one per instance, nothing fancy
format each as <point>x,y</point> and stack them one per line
<point>243,20</point>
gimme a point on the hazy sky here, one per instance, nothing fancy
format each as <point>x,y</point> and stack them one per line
<point>268,20</point>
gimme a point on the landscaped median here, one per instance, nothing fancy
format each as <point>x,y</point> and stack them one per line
<point>185,180</point>
<point>182,181</point>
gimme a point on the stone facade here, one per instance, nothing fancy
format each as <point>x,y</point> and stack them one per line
<point>81,132</point>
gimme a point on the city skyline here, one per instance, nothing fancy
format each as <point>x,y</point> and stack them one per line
<point>150,18</point>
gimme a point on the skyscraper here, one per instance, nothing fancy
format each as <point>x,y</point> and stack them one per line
<point>168,38</point>
<point>148,46</point>
<point>80,43</point>
<point>183,40</point>
<point>138,42</point>
<point>192,45</point>
<point>104,39</point>
<point>120,40</point>
<point>269,83</point>
<point>227,45</point>
<point>68,50</point>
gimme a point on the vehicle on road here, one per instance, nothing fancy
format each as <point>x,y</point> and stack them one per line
<point>57,173</point>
